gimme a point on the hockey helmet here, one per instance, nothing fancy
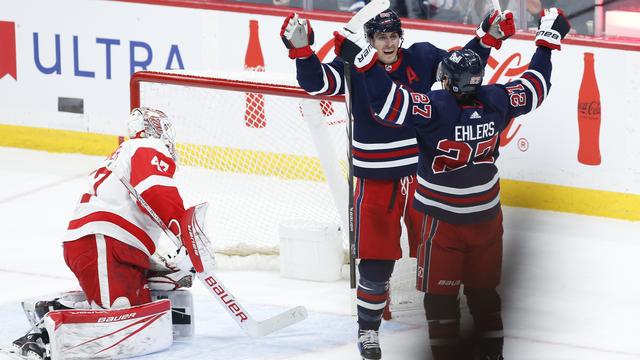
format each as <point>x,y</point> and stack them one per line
<point>464,71</point>
<point>146,122</point>
<point>386,21</point>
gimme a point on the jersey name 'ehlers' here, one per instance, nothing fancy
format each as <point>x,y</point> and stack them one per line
<point>474,132</point>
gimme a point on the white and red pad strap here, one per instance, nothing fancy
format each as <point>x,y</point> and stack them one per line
<point>110,334</point>
<point>193,231</point>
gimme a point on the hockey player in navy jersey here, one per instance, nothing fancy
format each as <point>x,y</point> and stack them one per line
<point>458,132</point>
<point>384,158</point>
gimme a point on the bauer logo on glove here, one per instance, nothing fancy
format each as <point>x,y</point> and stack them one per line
<point>553,27</point>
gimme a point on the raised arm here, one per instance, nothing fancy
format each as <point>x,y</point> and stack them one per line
<point>529,91</point>
<point>494,29</point>
<point>313,76</point>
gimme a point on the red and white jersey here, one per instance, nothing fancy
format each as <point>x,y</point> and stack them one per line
<point>107,208</point>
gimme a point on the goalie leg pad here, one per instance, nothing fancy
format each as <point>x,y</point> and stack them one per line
<point>109,334</point>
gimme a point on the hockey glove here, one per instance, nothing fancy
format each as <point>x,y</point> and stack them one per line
<point>495,28</point>
<point>297,35</point>
<point>355,49</point>
<point>553,27</point>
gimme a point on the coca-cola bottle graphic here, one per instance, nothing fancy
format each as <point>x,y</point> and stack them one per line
<point>589,115</point>
<point>254,115</point>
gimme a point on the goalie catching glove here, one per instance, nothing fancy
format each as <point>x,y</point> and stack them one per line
<point>297,35</point>
<point>495,28</point>
<point>553,27</point>
<point>355,49</point>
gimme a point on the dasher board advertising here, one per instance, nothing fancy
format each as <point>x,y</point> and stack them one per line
<point>584,136</point>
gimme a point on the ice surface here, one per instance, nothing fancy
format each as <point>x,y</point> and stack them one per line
<point>570,288</point>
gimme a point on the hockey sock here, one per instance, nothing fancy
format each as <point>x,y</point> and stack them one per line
<point>373,291</point>
<point>485,306</point>
<point>443,319</point>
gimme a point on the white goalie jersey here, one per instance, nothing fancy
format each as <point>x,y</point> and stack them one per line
<point>105,208</point>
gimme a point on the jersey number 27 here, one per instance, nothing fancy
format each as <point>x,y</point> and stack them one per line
<point>460,153</point>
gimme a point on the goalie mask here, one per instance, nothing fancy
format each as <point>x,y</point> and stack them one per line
<point>151,123</point>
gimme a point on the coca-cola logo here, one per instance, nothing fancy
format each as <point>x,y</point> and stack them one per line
<point>591,108</point>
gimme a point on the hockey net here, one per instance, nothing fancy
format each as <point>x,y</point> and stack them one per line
<point>263,152</point>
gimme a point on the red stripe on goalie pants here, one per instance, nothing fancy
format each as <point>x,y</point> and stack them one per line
<point>8,49</point>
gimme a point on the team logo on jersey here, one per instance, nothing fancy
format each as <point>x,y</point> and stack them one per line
<point>475,115</point>
<point>8,50</point>
<point>160,165</point>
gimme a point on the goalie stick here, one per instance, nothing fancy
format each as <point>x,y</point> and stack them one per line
<point>355,24</point>
<point>219,291</point>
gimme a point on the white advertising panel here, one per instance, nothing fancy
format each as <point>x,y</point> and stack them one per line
<point>91,54</point>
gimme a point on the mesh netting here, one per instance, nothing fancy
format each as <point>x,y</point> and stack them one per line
<point>252,157</point>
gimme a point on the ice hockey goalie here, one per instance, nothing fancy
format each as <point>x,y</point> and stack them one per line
<point>111,245</point>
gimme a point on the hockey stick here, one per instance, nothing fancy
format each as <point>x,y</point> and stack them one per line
<point>355,24</point>
<point>350,212</point>
<point>496,5</point>
<point>368,12</point>
<point>219,291</point>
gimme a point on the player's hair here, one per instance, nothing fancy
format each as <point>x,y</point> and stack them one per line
<point>386,21</point>
<point>464,71</point>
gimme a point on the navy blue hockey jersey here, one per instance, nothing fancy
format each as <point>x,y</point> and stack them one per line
<point>380,152</point>
<point>458,180</point>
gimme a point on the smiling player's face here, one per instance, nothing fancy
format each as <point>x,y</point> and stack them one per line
<point>387,44</point>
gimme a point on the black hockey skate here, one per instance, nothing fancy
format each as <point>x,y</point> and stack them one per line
<point>369,345</point>
<point>32,346</point>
